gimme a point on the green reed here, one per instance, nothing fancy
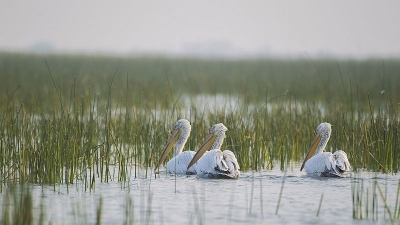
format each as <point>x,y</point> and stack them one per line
<point>18,207</point>
<point>86,118</point>
<point>366,197</point>
<point>164,79</point>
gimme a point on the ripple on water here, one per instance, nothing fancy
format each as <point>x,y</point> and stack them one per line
<point>252,199</point>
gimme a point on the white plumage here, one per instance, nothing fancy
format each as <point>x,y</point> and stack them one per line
<point>319,163</point>
<point>179,163</point>
<point>215,163</point>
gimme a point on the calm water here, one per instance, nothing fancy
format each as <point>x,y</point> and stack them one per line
<point>252,199</point>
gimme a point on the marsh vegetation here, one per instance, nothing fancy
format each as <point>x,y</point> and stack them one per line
<point>68,119</point>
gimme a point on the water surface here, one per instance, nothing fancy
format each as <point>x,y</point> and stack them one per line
<point>252,199</point>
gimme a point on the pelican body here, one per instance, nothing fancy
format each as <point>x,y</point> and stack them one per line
<point>215,163</point>
<point>179,163</point>
<point>326,164</point>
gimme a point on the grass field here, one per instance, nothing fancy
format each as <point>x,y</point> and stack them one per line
<point>70,117</point>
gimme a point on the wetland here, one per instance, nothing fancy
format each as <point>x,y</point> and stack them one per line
<point>80,136</point>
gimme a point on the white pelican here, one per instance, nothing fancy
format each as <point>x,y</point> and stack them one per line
<point>178,164</point>
<point>325,164</point>
<point>215,163</point>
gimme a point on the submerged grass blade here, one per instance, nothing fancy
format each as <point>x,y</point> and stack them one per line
<point>384,202</point>
<point>280,193</point>
<point>320,204</point>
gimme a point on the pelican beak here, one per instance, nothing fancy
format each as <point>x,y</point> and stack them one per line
<point>171,142</point>
<point>203,148</point>
<point>311,150</point>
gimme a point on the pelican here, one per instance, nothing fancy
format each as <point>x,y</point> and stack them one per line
<point>325,164</point>
<point>178,164</point>
<point>215,163</point>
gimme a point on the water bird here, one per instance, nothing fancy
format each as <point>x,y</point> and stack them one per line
<point>215,163</point>
<point>179,163</point>
<point>326,164</point>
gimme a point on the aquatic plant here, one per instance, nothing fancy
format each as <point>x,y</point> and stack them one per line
<point>366,198</point>
<point>68,118</point>
<point>18,207</point>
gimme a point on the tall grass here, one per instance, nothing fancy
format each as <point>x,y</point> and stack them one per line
<point>18,208</point>
<point>85,118</point>
<point>22,211</point>
<point>365,200</point>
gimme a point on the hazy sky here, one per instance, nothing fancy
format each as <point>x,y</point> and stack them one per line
<point>342,28</point>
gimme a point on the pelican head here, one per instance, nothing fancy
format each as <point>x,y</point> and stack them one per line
<point>179,136</point>
<point>214,140</point>
<point>321,138</point>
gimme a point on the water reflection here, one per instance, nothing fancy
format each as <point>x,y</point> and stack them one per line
<point>252,199</point>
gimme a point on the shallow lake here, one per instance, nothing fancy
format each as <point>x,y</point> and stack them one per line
<point>252,199</point>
